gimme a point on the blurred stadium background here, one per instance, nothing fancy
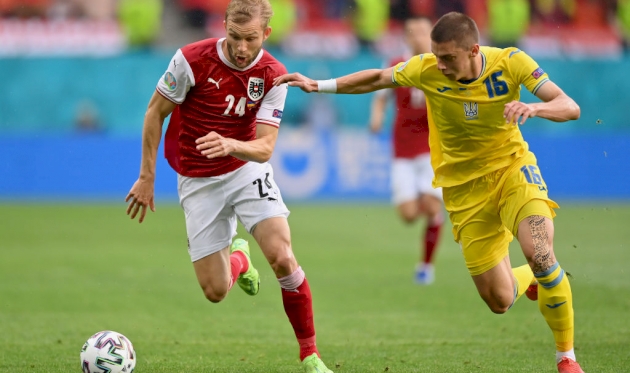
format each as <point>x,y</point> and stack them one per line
<point>77,76</point>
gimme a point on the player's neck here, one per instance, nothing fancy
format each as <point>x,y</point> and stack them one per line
<point>476,66</point>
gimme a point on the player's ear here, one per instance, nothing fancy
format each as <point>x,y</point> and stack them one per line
<point>474,50</point>
<point>266,32</point>
<point>225,25</point>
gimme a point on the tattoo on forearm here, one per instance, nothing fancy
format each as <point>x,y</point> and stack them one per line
<point>542,254</point>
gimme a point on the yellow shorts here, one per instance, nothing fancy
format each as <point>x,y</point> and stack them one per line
<point>486,211</point>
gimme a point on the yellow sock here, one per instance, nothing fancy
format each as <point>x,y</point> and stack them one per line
<point>556,304</point>
<point>524,277</point>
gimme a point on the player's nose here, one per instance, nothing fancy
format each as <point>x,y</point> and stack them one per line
<point>241,46</point>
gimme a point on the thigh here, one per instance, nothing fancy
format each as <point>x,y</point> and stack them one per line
<point>403,182</point>
<point>520,185</point>
<point>424,177</point>
<point>477,226</point>
<point>274,238</point>
<point>254,195</point>
<point>213,271</point>
<point>210,223</point>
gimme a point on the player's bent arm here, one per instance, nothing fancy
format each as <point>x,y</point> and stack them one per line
<point>260,149</point>
<point>159,108</point>
<point>557,105</point>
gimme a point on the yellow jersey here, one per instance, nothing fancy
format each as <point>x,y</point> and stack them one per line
<point>468,134</point>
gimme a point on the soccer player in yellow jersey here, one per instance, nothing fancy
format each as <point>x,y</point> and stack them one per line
<point>492,187</point>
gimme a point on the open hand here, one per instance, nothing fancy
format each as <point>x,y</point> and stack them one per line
<point>297,80</point>
<point>141,196</point>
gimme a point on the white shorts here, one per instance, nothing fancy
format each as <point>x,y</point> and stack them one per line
<point>412,178</point>
<point>212,204</point>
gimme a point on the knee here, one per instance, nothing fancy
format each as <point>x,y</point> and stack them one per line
<point>498,309</point>
<point>284,261</point>
<point>498,305</point>
<point>408,218</point>
<point>214,294</point>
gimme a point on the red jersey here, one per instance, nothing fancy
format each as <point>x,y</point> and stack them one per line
<point>411,129</point>
<point>215,95</point>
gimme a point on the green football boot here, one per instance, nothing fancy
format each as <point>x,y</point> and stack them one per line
<point>313,364</point>
<point>250,280</point>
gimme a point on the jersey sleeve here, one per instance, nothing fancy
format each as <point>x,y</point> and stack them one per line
<point>272,105</point>
<point>526,71</point>
<point>407,74</point>
<point>177,80</point>
<point>387,93</point>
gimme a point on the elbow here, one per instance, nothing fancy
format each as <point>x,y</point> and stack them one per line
<point>575,112</point>
<point>265,158</point>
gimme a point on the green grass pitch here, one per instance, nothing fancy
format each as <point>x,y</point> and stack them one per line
<point>68,271</point>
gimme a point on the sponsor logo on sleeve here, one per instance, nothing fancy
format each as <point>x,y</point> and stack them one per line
<point>170,81</point>
<point>538,73</point>
<point>277,113</point>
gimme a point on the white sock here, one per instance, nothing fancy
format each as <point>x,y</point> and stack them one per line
<point>570,354</point>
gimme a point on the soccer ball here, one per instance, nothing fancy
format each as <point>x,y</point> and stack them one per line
<point>108,352</point>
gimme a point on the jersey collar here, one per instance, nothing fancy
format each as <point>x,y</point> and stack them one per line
<point>230,64</point>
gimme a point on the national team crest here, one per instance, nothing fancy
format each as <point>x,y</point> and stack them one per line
<point>255,88</point>
<point>472,110</point>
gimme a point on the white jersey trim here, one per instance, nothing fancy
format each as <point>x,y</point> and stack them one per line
<point>272,105</point>
<point>268,123</point>
<point>230,64</point>
<point>177,80</point>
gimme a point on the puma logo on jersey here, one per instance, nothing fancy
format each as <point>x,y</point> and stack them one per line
<point>210,80</point>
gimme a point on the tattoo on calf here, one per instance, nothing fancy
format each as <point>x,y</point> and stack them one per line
<point>542,254</point>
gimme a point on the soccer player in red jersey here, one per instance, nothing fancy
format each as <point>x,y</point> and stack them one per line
<point>226,113</point>
<point>411,173</point>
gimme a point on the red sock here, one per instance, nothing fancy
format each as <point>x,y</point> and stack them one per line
<point>298,305</point>
<point>238,265</point>
<point>431,237</point>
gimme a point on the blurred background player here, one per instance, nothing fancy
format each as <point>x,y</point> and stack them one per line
<point>411,172</point>
<point>223,129</point>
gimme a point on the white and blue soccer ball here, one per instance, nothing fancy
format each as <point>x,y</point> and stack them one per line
<point>108,352</point>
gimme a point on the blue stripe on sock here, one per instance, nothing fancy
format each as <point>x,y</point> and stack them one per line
<point>515,293</point>
<point>547,272</point>
<point>549,285</point>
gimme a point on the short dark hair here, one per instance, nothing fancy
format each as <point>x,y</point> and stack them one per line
<point>457,27</point>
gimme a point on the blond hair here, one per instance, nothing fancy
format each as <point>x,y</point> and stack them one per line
<point>243,11</point>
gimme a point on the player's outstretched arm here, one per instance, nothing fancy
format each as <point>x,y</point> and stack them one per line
<point>141,194</point>
<point>557,106</point>
<point>356,83</point>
